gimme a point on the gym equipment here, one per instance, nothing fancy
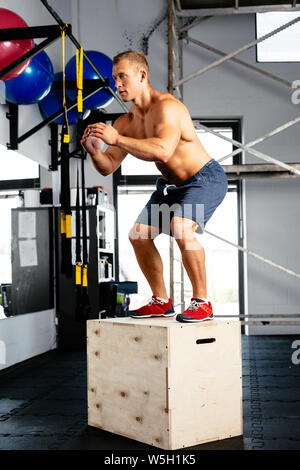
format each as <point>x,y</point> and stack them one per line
<point>103,97</point>
<point>83,306</point>
<point>52,33</point>
<point>122,307</point>
<point>11,50</point>
<point>107,299</point>
<point>144,364</point>
<point>53,103</point>
<point>114,298</point>
<point>34,83</point>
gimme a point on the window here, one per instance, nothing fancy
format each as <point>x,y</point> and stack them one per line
<point>17,171</point>
<point>223,283</point>
<point>8,201</point>
<point>131,200</point>
<point>283,46</point>
<point>134,166</point>
<point>216,147</point>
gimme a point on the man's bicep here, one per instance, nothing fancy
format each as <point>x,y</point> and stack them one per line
<point>167,131</point>
<point>168,123</point>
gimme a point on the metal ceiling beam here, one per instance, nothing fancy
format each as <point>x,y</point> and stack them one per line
<point>170,47</point>
<point>236,11</point>
<point>238,61</point>
<point>236,52</point>
<point>178,4</point>
<point>174,72</point>
<point>196,22</point>
<point>254,152</point>
<point>258,170</point>
<point>256,255</point>
<point>275,131</point>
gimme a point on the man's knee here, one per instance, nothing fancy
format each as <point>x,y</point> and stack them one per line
<point>183,230</point>
<point>140,233</point>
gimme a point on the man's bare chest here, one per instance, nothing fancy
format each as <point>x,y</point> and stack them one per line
<point>140,128</point>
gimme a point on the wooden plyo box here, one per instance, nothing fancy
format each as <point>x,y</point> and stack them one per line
<point>165,383</point>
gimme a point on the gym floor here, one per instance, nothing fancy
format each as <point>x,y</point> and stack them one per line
<point>43,403</point>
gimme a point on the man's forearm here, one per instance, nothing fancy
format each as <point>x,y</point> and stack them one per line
<point>101,162</point>
<point>150,150</point>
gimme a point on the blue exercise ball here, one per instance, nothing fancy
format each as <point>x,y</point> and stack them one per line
<point>32,85</point>
<point>54,101</point>
<point>104,64</point>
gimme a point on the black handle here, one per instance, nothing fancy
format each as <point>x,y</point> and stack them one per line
<point>205,340</point>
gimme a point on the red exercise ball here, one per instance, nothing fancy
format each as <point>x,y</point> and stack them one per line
<point>13,49</point>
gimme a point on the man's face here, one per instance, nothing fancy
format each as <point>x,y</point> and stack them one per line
<point>127,79</point>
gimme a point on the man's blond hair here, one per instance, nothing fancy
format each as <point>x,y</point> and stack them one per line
<point>134,57</point>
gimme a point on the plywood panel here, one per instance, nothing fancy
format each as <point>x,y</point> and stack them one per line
<point>205,382</point>
<point>127,373</point>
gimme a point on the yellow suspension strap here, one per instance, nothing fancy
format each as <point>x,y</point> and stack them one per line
<point>78,274</point>
<point>79,71</point>
<point>84,276</point>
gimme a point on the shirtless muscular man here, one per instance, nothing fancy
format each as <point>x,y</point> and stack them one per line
<point>158,128</point>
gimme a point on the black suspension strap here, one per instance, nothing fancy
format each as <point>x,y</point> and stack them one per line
<point>66,231</point>
<point>66,213</point>
<point>85,307</point>
<point>78,270</point>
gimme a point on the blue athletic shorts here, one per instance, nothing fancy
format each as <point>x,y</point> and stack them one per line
<point>195,198</point>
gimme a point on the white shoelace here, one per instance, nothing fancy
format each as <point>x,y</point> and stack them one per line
<point>155,301</point>
<point>195,304</point>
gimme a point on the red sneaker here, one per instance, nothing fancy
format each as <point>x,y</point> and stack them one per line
<point>199,310</point>
<point>154,308</point>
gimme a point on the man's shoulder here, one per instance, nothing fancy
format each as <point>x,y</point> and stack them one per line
<point>165,101</point>
<point>122,121</point>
